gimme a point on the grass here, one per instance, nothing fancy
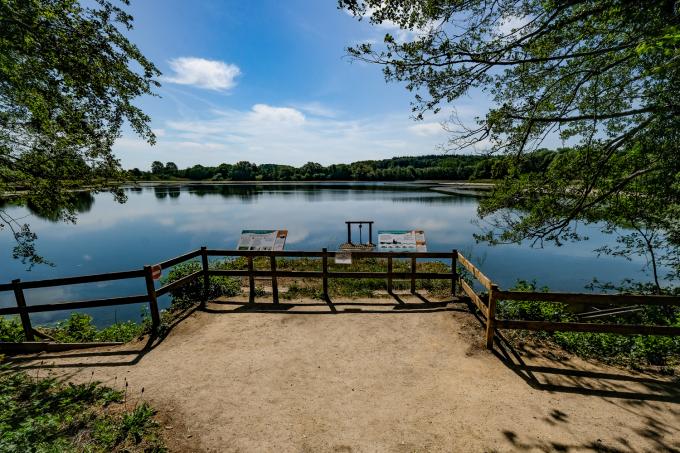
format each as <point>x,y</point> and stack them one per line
<point>46,415</point>
<point>346,287</point>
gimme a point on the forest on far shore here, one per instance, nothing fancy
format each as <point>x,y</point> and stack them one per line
<point>437,166</point>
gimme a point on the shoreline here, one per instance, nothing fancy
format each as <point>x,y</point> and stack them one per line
<point>469,188</point>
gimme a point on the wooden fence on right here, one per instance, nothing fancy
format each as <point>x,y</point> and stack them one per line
<point>488,308</point>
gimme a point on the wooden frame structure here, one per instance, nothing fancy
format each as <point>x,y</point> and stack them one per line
<point>485,303</point>
<point>361,223</point>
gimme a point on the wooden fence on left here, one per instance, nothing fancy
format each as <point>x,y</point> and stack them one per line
<point>151,297</point>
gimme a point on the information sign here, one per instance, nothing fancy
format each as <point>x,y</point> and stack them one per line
<point>401,241</point>
<point>262,240</point>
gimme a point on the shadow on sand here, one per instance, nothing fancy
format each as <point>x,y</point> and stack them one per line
<point>328,306</point>
<point>552,372</point>
<point>132,355</point>
<point>540,371</point>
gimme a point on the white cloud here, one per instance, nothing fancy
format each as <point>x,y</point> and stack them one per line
<point>271,134</point>
<point>209,74</point>
<point>282,134</point>
<point>196,145</point>
<point>426,129</point>
<point>317,109</point>
<point>264,113</point>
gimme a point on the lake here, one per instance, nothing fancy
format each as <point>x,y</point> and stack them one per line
<point>160,222</point>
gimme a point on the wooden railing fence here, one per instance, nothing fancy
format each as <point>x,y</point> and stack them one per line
<point>494,295</point>
<point>486,304</point>
<point>325,274</point>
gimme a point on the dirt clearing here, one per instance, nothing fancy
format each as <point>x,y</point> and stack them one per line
<point>374,377</point>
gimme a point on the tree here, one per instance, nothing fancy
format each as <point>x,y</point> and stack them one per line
<point>170,169</point>
<point>198,172</point>
<point>312,170</point>
<point>243,171</point>
<point>68,76</point>
<point>224,170</point>
<point>602,74</point>
<point>157,167</point>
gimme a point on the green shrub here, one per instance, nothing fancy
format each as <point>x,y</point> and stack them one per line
<point>193,291</point>
<point>120,331</point>
<point>530,310</point>
<point>78,328</point>
<point>11,330</point>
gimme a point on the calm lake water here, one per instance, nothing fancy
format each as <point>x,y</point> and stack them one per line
<point>161,222</point>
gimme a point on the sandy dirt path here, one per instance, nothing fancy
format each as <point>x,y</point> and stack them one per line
<point>372,378</point>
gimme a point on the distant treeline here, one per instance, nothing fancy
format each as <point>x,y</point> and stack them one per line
<point>446,167</point>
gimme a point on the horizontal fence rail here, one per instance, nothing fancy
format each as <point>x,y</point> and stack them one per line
<point>332,254</point>
<point>485,303</point>
<point>180,259</point>
<point>111,301</point>
<point>625,329</point>
<point>590,299</point>
<point>329,274</point>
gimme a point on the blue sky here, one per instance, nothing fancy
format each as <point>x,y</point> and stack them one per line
<point>269,82</point>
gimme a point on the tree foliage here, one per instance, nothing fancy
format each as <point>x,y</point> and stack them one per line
<point>68,78</point>
<point>600,75</point>
<point>437,167</point>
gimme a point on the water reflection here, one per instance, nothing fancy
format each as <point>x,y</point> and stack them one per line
<point>173,192</point>
<point>160,192</point>
<point>164,221</point>
<point>79,202</point>
<point>444,199</point>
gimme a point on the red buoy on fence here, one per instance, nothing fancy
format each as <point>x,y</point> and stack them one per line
<point>156,271</point>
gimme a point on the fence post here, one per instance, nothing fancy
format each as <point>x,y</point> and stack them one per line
<point>454,271</point>
<point>206,275</point>
<point>275,283</point>
<point>324,271</point>
<point>23,314</point>
<point>389,275</point>
<point>153,303</point>
<point>491,316</point>
<point>413,275</point>
<point>251,281</point>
